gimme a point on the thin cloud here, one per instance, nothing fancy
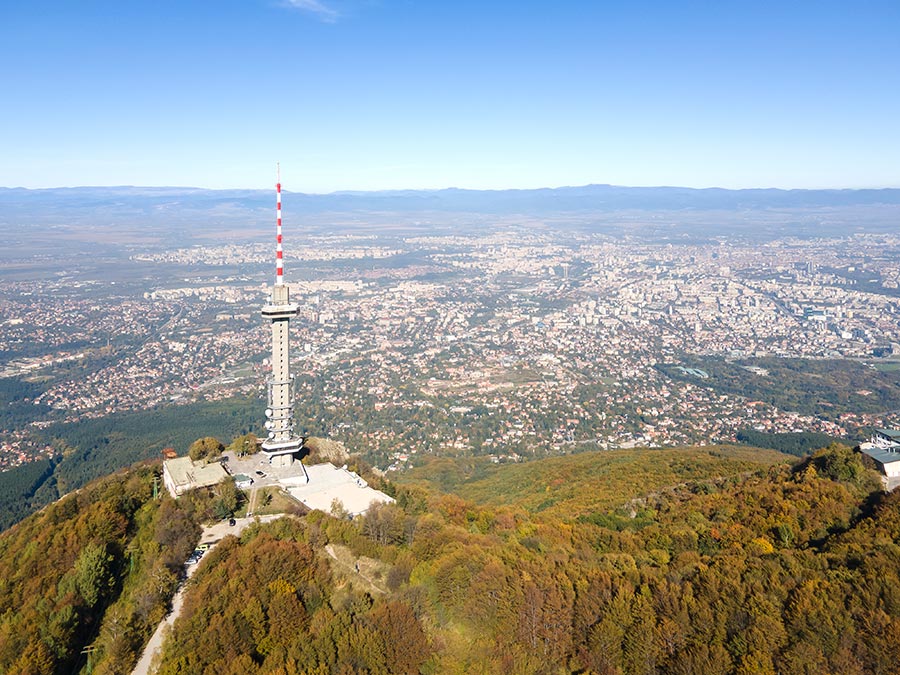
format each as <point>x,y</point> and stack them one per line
<point>316,7</point>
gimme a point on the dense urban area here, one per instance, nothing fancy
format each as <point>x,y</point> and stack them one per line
<point>518,342</point>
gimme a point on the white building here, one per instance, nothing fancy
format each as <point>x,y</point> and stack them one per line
<point>884,448</point>
<point>182,474</point>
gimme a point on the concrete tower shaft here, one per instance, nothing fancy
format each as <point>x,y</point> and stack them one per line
<point>280,410</point>
<point>282,442</point>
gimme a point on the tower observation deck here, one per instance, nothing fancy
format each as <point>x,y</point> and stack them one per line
<point>282,442</point>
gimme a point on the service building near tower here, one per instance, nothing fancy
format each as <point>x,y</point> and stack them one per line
<point>182,474</point>
<point>884,448</point>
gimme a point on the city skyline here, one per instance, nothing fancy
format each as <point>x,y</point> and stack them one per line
<point>388,95</point>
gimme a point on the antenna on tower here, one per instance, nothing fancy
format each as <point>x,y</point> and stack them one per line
<point>279,260</point>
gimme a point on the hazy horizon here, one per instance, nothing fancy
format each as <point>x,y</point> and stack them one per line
<point>341,191</point>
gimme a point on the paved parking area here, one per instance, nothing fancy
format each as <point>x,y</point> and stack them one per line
<point>317,486</point>
<point>254,465</point>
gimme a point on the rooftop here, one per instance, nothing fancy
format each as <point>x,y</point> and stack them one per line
<point>893,434</point>
<point>185,474</point>
<point>882,455</point>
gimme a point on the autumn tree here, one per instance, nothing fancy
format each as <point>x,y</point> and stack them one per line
<point>385,523</point>
<point>94,574</point>
<point>401,637</point>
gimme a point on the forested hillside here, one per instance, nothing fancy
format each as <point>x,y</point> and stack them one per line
<point>21,490</point>
<point>94,569</point>
<point>730,568</point>
<point>822,387</point>
<point>788,570</point>
<point>799,443</point>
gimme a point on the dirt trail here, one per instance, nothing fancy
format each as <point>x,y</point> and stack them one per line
<point>251,504</point>
<point>358,569</point>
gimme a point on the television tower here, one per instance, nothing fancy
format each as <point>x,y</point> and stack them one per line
<point>282,443</point>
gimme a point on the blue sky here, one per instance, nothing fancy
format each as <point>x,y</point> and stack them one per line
<point>392,94</point>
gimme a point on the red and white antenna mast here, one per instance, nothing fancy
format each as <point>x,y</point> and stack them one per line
<point>279,255</point>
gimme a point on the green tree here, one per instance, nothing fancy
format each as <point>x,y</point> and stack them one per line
<point>838,462</point>
<point>93,574</point>
<point>248,444</point>
<point>59,632</point>
<point>227,499</point>
<point>207,448</point>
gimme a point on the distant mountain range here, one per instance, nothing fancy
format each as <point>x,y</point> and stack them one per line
<point>586,205</point>
<point>584,198</point>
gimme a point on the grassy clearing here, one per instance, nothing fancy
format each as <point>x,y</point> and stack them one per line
<point>269,500</point>
<point>566,487</point>
<point>887,367</point>
<point>359,572</point>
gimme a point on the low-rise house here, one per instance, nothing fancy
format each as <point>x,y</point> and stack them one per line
<point>242,481</point>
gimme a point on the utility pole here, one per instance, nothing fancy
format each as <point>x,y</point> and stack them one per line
<point>131,550</point>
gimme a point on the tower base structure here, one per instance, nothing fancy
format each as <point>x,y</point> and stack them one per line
<point>281,460</point>
<point>282,454</point>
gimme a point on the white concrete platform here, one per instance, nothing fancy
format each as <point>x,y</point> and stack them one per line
<point>327,483</point>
